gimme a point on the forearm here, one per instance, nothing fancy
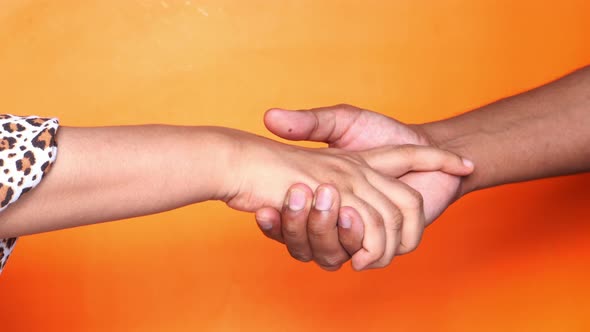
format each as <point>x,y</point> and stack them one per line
<point>111,173</point>
<point>541,133</point>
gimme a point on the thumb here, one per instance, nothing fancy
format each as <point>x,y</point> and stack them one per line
<point>325,124</point>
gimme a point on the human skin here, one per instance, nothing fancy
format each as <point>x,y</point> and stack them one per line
<point>111,173</point>
<point>541,133</point>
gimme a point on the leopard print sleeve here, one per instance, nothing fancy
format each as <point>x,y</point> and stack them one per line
<point>27,151</point>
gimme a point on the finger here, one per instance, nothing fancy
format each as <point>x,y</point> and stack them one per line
<point>269,221</point>
<point>350,229</point>
<point>392,220</point>
<point>374,239</point>
<point>411,206</point>
<point>324,124</point>
<point>322,229</point>
<point>294,221</point>
<point>405,158</point>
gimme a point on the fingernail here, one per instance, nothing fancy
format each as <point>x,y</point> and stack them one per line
<point>296,200</point>
<point>344,221</point>
<point>467,162</point>
<point>323,201</point>
<point>264,224</point>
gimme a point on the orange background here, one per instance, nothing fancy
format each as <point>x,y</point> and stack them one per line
<point>513,258</point>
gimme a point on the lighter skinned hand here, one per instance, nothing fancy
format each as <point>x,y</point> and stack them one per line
<point>365,181</point>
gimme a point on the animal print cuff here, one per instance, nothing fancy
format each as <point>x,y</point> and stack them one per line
<point>27,151</point>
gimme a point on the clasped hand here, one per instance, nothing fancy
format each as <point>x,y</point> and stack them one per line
<point>350,197</point>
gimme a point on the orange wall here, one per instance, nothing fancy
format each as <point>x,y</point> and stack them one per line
<point>512,258</point>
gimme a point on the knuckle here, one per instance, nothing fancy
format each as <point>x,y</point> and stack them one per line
<point>384,262</point>
<point>408,246</point>
<point>396,220</point>
<point>414,199</point>
<point>290,230</point>
<point>330,268</point>
<point>378,265</point>
<point>300,256</point>
<point>349,110</point>
<point>331,261</point>
<point>406,249</point>
<point>320,228</point>
<point>374,256</point>
<point>345,106</point>
<point>377,219</point>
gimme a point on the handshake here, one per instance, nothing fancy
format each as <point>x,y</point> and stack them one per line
<point>368,197</point>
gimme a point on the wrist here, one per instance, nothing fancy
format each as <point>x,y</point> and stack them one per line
<point>445,135</point>
<point>214,161</point>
